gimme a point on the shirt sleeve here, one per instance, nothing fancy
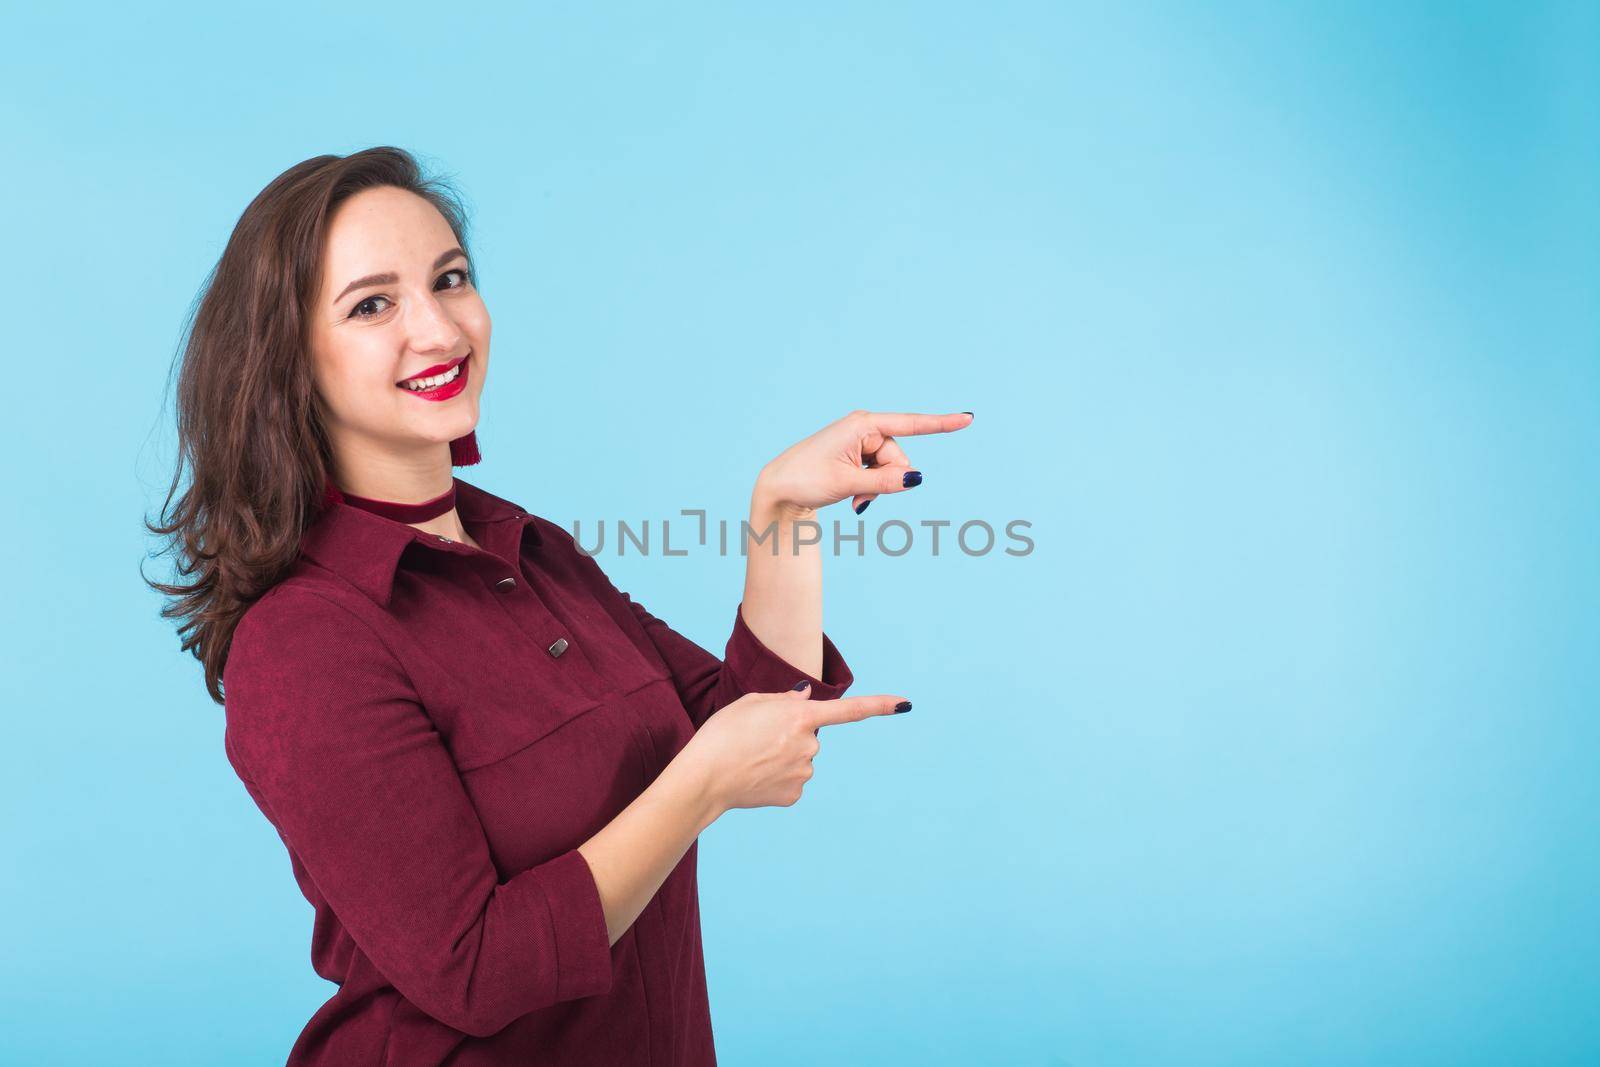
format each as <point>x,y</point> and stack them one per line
<point>323,721</point>
<point>705,683</point>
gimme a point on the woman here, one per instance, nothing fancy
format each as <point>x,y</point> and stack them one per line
<point>488,765</point>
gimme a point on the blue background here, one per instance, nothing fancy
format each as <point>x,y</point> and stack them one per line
<point>1280,325</point>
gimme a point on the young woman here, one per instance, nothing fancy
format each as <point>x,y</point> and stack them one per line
<point>488,765</point>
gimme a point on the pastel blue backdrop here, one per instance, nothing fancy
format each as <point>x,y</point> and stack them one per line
<point>1280,326</point>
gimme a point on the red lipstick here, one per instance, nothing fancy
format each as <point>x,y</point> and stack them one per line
<point>444,390</point>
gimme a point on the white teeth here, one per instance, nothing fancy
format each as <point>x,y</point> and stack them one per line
<point>415,384</point>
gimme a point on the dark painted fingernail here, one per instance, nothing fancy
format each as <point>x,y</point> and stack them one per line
<point>902,707</point>
<point>911,478</point>
<point>969,413</point>
<point>799,686</point>
<point>862,506</point>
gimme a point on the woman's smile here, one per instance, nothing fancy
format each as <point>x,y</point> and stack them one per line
<point>439,382</point>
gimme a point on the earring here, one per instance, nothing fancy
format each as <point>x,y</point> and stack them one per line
<point>464,450</point>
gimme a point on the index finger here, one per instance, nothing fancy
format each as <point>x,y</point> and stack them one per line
<point>851,709</point>
<point>911,423</point>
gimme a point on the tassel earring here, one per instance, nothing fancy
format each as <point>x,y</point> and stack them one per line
<point>464,450</point>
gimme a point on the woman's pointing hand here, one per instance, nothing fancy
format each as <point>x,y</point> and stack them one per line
<point>856,456</point>
<point>757,751</point>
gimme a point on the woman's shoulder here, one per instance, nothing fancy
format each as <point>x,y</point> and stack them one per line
<point>299,606</point>
<point>300,651</point>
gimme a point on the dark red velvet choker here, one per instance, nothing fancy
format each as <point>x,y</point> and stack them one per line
<point>463,453</point>
<point>394,509</point>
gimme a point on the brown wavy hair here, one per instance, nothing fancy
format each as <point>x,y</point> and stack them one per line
<point>250,421</point>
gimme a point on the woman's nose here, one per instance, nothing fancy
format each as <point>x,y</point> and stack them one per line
<point>432,327</point>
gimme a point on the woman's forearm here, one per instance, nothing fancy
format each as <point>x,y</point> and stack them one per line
<point>783,581</point>
<point>633,854</point>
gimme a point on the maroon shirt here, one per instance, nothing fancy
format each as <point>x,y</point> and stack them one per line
<point>433,730</point>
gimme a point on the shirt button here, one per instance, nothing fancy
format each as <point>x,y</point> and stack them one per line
<point>505,585</point>
<point>559,647</point>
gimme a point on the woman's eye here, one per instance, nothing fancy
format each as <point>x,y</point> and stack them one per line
<point>357,312</point>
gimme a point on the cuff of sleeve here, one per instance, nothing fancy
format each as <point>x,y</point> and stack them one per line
<point>583,945</point>
<point>758,669</point>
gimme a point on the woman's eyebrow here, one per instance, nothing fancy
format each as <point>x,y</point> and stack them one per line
<point>389,277</point>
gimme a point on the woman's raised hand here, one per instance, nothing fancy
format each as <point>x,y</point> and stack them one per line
<point>856,456</point>
<point>756,752</point>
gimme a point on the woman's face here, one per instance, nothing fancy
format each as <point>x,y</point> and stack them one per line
<point>396,302</point>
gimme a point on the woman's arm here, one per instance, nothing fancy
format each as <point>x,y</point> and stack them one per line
<point>783,579</point>
<point>327,732</point>
<point>855,456</point>
<point>753,753</point>
<point>633,853</point>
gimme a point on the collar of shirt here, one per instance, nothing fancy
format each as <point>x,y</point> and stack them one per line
<point>365,549</point>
